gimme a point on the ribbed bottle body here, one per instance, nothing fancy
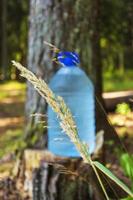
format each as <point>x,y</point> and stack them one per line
<point>77,90</point>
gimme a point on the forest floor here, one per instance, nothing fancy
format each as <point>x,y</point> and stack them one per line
<point>12,98</point>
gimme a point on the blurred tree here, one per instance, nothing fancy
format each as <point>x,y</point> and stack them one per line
<point>69,25</point>
<point>13,36</point>
<point>83,36</point>
<point>117,34</point>
<point>18,32</point>
<point>4,39</point>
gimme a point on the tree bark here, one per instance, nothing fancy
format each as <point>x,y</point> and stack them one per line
<point>64,178</point>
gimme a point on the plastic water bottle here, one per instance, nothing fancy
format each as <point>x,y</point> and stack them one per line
<point>77,90</point>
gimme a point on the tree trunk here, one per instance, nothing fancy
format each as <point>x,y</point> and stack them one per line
<point>64,178</point>
<point>96,60</point>
<point>4,40</point>
<point>63,23</point>
<point>66,24</point>
<point>96,50</point>
<point>102,122</point>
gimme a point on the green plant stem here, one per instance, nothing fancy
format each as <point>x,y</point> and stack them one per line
<point>89,160</point>
<point>99,179</point>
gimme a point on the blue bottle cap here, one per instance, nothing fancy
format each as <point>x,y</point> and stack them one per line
<point>68,59</point>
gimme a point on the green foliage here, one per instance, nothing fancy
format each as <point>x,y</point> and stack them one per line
<point>128,198</point>
<point>116,44</point>
<point>10,141</point>
<point>16,33</point>
<point>17,28</point>
<point>123,108</point>
<point>126,162</point>
<point>114,80</point>
<point>115,20</point>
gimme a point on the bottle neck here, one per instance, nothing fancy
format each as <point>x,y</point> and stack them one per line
<point>69,66</point>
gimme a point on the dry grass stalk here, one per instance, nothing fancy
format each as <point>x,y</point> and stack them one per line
<point>66,119</point>
<point>58,105</point>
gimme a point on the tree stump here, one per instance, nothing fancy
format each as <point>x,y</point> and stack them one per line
<point>54,178</point>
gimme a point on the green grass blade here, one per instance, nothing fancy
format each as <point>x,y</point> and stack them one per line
<point>108,173</point>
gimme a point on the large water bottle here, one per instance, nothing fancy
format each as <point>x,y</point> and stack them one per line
<point>77,90</point>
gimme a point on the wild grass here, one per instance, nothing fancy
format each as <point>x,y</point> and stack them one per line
<point>68,125</point>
